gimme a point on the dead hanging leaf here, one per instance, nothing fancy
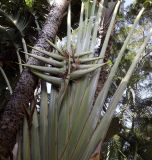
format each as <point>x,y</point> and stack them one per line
<point>96,154</point>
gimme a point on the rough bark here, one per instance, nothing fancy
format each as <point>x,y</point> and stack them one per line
<point>23,93</point>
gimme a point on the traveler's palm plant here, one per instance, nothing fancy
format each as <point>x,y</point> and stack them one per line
<point>69,125</point>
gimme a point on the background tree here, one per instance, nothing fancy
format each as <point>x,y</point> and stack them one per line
<point>134,111</point>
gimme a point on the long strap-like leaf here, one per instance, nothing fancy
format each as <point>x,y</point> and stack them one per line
<point>102,128</point>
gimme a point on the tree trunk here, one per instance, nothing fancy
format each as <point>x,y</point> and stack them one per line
<point>14,113</point>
